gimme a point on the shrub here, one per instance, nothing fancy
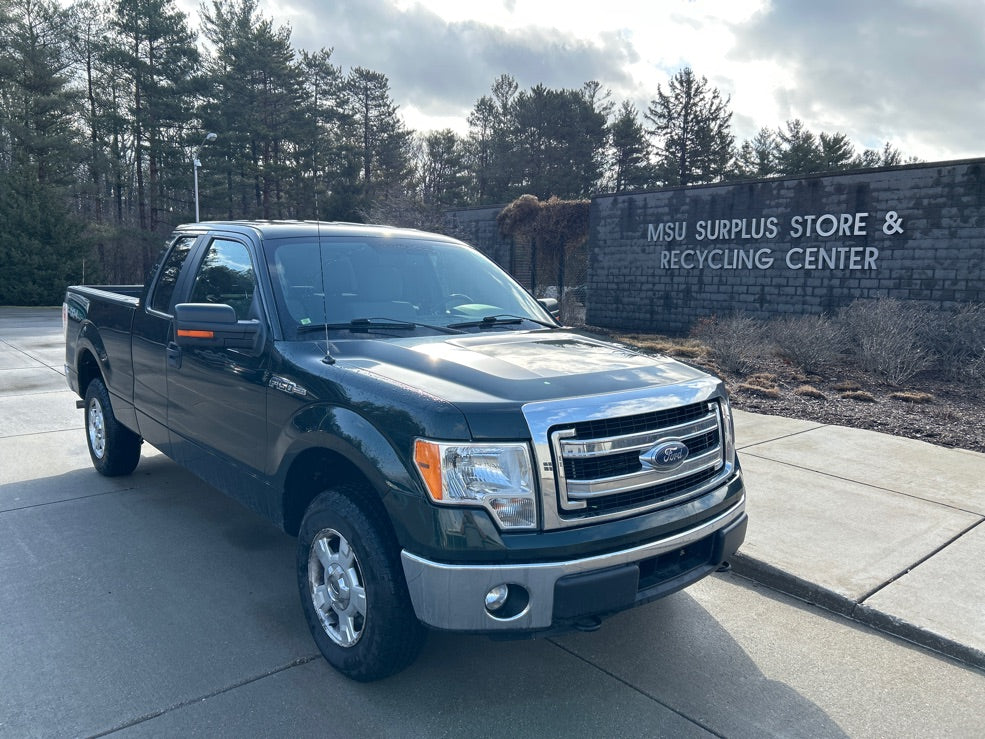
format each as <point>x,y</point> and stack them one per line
<point>809,391</point>
<point>958,340</point>
<point>859,395</point>
<point>811,342</point>
<point>686,348</point>
<point>912,396</point>
<point>974,371</point>
<point>885,337</point>
<point>755,389</point>
<point>957,337</point>
<point>735,342</point>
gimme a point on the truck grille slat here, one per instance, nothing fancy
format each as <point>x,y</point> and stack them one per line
<point>600,468</point>
<point>666,494</point>
<point>627,425</point>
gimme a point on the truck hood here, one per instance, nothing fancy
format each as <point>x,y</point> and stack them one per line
<point>515,367</point>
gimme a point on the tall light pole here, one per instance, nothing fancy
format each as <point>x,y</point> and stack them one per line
<point>210,136</point>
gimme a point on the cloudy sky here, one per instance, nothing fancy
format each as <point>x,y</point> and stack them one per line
<point>911,72</point>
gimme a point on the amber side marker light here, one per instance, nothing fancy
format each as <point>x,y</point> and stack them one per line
<point>190,334</point>
<point>428,462</point>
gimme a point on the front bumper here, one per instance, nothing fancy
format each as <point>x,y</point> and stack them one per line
<point>452,597</point>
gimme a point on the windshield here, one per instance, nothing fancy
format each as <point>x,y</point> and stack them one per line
<point>337,280</point>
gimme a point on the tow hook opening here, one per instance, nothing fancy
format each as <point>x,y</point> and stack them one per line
<point>724,567</point>
<point>588,623</point>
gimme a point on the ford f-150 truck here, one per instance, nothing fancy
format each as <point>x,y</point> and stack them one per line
<point>446,453</point>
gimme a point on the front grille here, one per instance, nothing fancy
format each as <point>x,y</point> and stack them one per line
<point>627,463</point>
<point>599,465</point>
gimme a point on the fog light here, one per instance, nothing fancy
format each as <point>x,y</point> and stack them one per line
<point>496,598</point>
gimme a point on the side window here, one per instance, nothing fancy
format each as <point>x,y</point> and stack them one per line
<point>161,299</point>
<point>226,276</point>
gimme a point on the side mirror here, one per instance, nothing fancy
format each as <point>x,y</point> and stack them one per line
<point>552,306</point>
<point>213,325</point>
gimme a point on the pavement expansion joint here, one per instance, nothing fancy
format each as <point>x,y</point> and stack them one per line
<point>817,595</point>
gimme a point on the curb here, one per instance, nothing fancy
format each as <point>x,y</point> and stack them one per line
<point>781,581</point>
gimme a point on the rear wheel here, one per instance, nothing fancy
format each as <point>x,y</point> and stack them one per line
<point>352,587</point>
<point>113,448</point>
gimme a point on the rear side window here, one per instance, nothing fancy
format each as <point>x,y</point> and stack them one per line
<point>164,290</point>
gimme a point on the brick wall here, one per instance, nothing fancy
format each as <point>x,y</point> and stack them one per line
<point>660,260</point>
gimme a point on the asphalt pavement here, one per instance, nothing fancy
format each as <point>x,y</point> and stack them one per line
<point>883,530</point>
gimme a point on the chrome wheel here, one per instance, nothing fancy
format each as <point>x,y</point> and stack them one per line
<point>96,423</point>
<point>336,586</point>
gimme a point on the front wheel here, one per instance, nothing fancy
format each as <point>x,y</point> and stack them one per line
<point>113,448</point>
<point>352,587</point>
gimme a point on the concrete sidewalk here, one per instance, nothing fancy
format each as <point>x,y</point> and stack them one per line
<point>882,529</point>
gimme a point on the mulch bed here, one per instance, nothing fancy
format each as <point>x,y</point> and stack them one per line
<point>931,407</point>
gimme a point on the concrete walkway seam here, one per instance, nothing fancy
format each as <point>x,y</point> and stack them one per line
<point>796,587</point>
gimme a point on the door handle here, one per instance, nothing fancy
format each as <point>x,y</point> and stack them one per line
<point>174,355</point>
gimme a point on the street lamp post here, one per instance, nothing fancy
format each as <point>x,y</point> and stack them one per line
<point>196,164</point>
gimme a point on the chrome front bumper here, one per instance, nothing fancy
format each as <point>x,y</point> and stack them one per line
<point>452,597</point>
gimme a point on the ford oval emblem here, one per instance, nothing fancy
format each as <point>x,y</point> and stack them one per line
<point>666,456</point>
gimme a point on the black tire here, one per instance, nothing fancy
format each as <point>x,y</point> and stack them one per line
<point>349,562</point>
<point>113,448</point>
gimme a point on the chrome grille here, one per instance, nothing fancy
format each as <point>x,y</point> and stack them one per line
<point>598,465</point>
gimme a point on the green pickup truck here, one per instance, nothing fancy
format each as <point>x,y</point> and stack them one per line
<point>447,455</point>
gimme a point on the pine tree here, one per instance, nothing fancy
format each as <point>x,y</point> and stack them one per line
<point>441,168</point>
<point>630,151</point>
<point>799,152</point>
<point>758,157</point>
<point>41,248</point>
<point>562,139</point>
<point>155,52</point>
<point>381,142</point>
<point>492,143</point>
<point>692,126</point>
<point>255,106</point>
<point>837,152</point>
<point>322,150</point>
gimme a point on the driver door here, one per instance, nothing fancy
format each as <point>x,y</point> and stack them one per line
<point>217,395</point>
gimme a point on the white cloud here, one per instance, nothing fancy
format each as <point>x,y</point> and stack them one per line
<point>911,72</point>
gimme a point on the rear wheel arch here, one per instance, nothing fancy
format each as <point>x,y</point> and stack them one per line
<point>88,370</point>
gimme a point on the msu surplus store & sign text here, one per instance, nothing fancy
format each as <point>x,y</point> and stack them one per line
<point>838,227</point>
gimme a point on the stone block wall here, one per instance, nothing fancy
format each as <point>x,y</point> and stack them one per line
<point>660,260</point>
<point>477,226</point>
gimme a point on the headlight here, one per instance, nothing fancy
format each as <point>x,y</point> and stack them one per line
<point>495,476</point>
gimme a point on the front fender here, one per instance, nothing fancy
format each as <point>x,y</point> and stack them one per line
<point>354,438</point>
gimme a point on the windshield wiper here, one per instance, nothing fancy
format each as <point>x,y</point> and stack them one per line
<point>365,324</point>
<point>500,319</point>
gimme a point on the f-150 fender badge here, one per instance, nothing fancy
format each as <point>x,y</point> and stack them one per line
<point>287,386</point>
<point>666,456</point>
